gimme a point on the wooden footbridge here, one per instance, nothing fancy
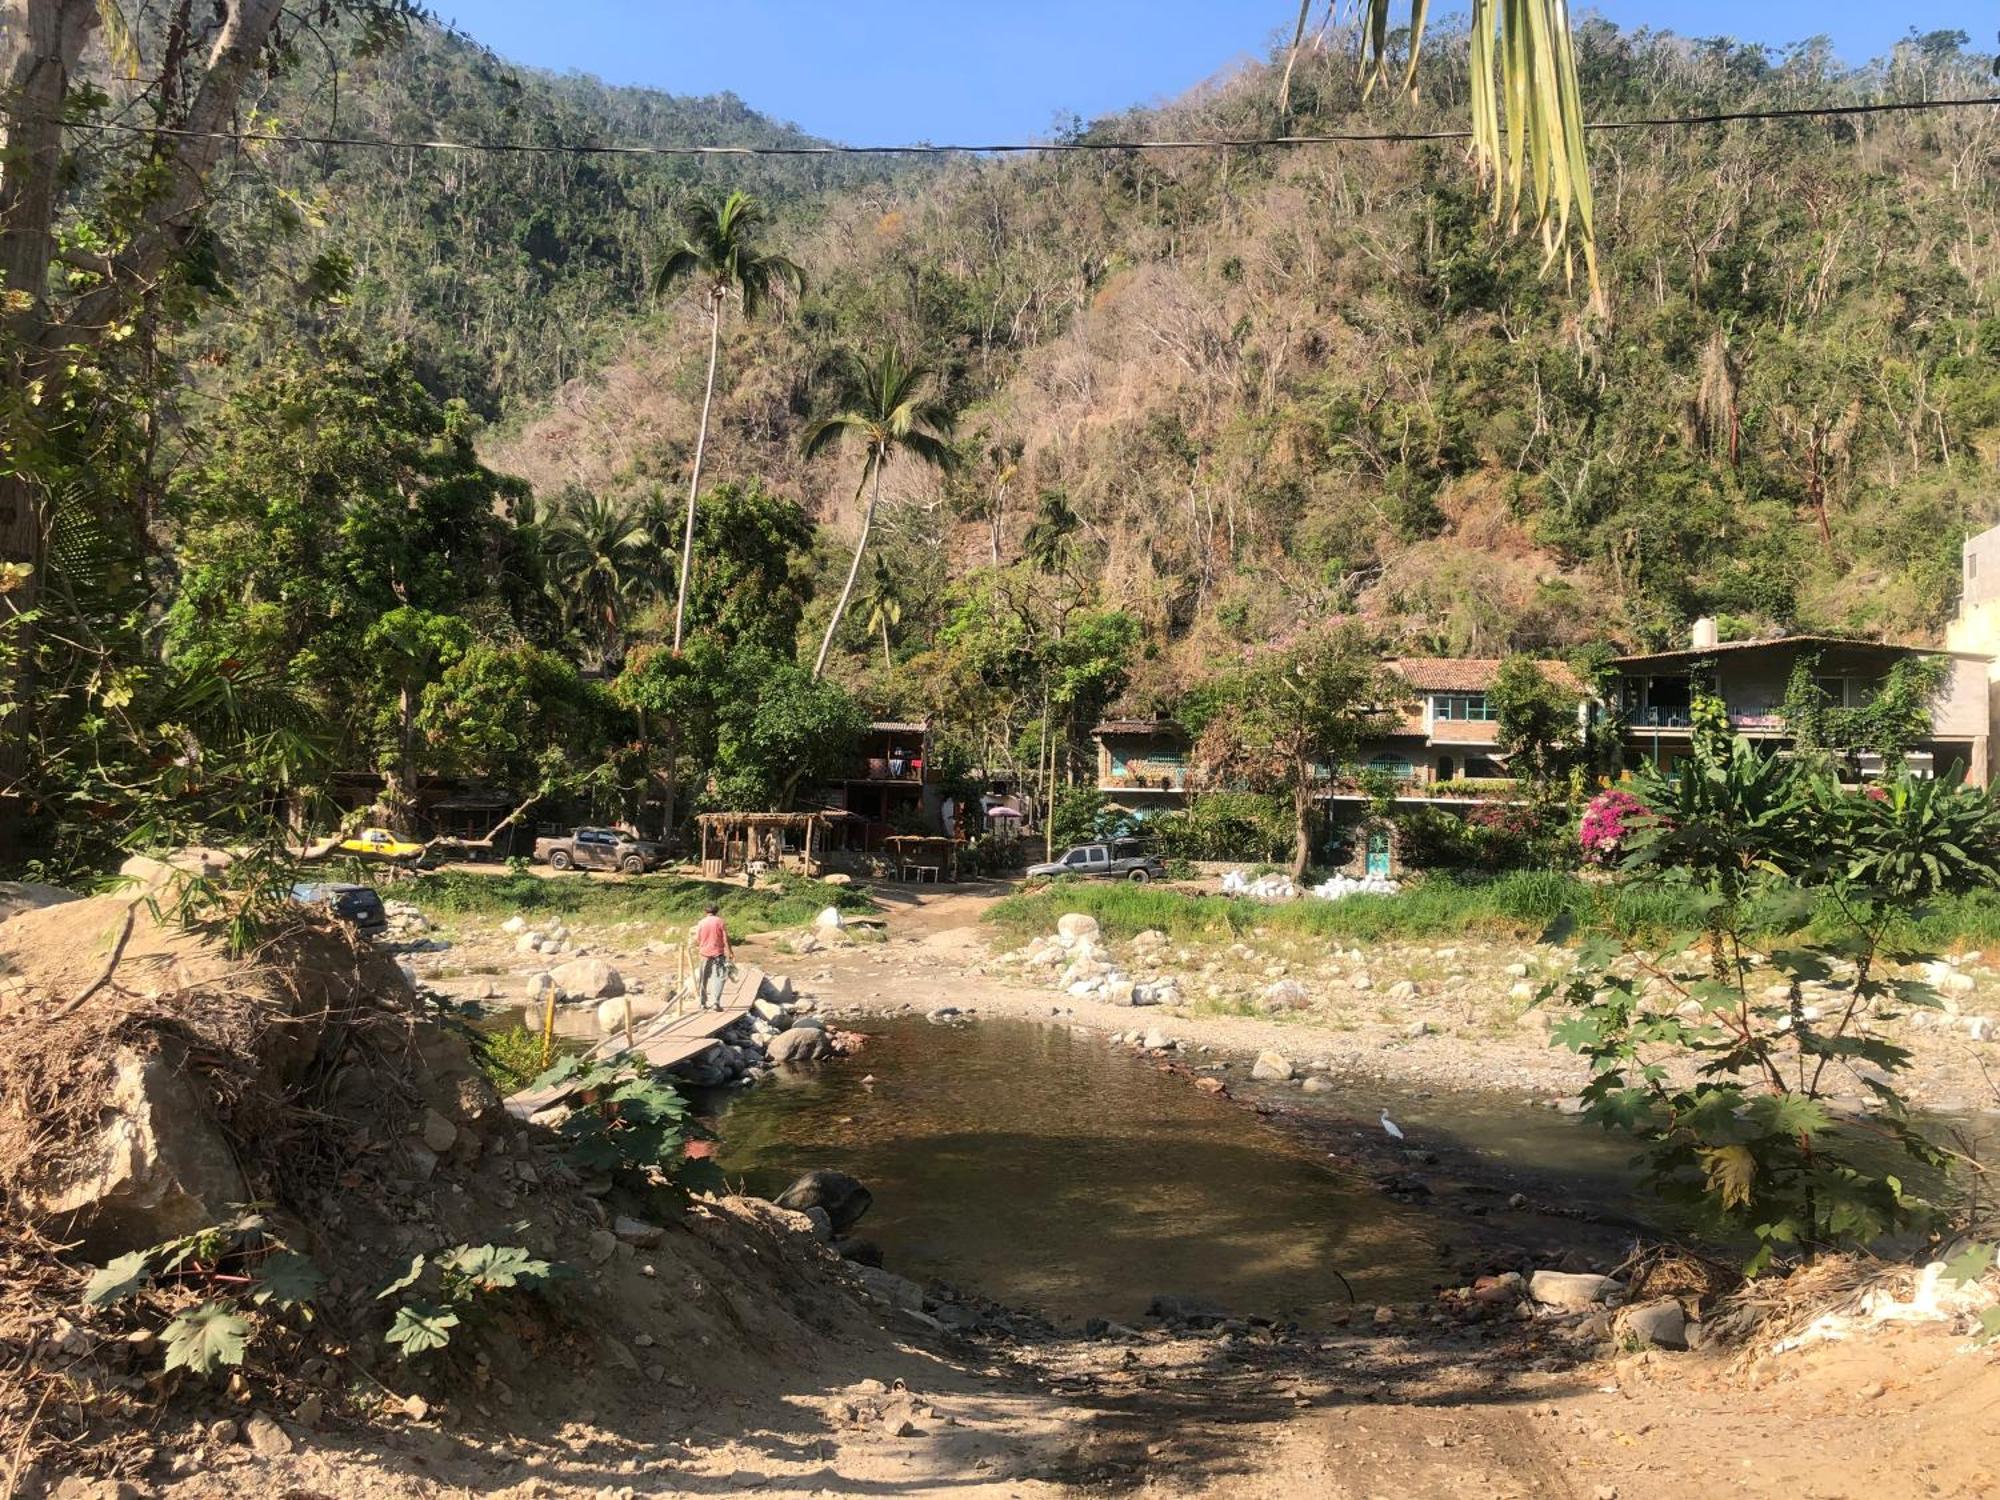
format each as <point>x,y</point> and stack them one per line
<point>676,1036</point>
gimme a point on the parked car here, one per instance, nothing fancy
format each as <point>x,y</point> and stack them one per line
<point>1119,859</point>
<point>601,849</point>
<point>380,843</point>
<point>357,905</point>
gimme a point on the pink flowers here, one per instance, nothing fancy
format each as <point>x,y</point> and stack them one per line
<point>1611,818</point>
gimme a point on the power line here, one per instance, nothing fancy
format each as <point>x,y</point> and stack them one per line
<point>1209,143</point>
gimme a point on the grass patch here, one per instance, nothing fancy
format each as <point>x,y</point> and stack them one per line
<point>1516,906</point>
<point>646,898</point>
<point>511,1059</point>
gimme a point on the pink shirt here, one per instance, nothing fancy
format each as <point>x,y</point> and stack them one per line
<point>711,938</point>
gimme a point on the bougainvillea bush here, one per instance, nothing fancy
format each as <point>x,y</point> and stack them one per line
<point>1609,821</point>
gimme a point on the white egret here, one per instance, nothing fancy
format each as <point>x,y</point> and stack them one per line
<point>1395,1130</point>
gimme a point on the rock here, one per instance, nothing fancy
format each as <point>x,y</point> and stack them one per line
<point>1157,1040</point>
<point>843,1198</point>
<point>17,896</point>
<point>529,942</point>
<point>778,990</point>
<point>1979,1028</point>
<point>798,1045</point>
<point>1661,1324</point>
<point>1076,926</point>
<point>265,1436</point>
<point>588,979</point>
<point>541,988</point>
<point>1319,1083</point>
<point>1403,989</point>
<point>1576,1291</point>
<point>1417,1029</point>
<point>769,1010</point>
<point>1500,1290</point>
<point>1188,1312</point>
<point>836,878</point>
<point>1384,1316</point>
<point>159,1166</point>
<point>637,1232</point>
<point>829,920</point>
<point>1362,981</point>
<point>887,1286</point>
<point>1119,990</point>
<point>438,1133</point>
<point>822,1223</point>
<point>1272,1067</point>
<point>1287,994</point>
<point>602,1245</point>
<point>514,925</point>
<point>423,1161</point>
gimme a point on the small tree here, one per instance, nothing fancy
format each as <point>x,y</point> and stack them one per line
<point>1294,719</point>
<point>1541,730</point>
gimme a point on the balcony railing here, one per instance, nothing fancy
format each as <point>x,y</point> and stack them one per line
<point>888,768</point>
<point>1144,779</point>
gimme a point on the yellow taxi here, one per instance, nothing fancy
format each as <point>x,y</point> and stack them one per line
<point>382,844</point>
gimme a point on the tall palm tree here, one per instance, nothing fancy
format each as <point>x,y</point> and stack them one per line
<point>600,557</point>
<point>887,407</point>
<point>718,252</point>
<point>885,606</point>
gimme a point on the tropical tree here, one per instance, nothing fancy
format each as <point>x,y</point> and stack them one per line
<point>884,604</point>
<point>600,555</point>
<point>719,253</point>
<point>888,408</point>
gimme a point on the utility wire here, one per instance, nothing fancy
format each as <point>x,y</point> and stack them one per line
<point>1210,143</point>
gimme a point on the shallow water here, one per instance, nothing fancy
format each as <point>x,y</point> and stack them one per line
<point>1050,1170</point>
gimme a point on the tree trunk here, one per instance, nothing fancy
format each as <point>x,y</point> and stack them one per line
<point>694,477</point>
<point>874,464</point>
<point>40,43</point>
<point>887,665</point>
<point>1302,826</point>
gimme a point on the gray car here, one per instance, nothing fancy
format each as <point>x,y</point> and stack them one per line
<point>1116,859</point>
<point>601,849</point>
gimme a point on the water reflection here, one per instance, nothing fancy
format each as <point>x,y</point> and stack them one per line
<point>1051,1170</point>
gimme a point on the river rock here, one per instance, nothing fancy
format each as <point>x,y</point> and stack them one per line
<point>1661,1324</point>
<point>1575,1291</point>
<point>588,979</point>
<point>843,1198</point>
<point>1272,1067</point>
<point>1186,1312</point>
<point>1287,994</point>
<point>1403,989</point>
<point>798,1045</point>
<point>1118,990</point>
<point>1979,1028</point>
<point>770,1010</point>
<point>1076,926</point>
<point>515,925</point>
<point>887,1286</point>
<point>637,1232</point>
<point>529,942</point>
<point>1499,1291</point>
<point>1319,1083</point>
<point>265,1437</point>
<point>778,989</point>
<point>829,919</point>
<point>1156,1040</point>
<point>438,1133</point>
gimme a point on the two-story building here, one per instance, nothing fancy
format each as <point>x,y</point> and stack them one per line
<point>892,782</point>
<point>1656,689</point>
<point>1448,727</point>
<point>1142,764</point>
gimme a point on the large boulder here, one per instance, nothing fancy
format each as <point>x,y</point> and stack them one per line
<point>159,1167</point>
<point>800,1044</point>
<point>17,896</point>
<point>1575,1291</point>
<point>1076,926</point>
<point>1272,1067</point>
<point>843,1198</point>
<point>588,979</point>
<point>1660,1324</point>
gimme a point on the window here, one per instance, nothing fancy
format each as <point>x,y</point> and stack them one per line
<point>1467,706</point>
<point>1835,689</point>
<point>1396,765</point>
<point>1097,854</point>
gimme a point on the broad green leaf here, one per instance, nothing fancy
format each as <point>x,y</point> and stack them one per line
<point>421,1327</point>
<point>1971,1263</point>
<point>286,1279</point>
<point>1989,1325</point>
<point>494,1267</point>
<point>206,1336</point>
<point>1578,1033</point>
<point>404,1282</point>
<point>1730,1171</point>
<point>118,1280</point>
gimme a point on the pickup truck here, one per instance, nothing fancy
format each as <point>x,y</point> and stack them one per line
<point>600,849</point>
<point>1119,859</point>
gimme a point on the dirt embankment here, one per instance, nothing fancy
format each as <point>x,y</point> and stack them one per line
<point>722,1351</point>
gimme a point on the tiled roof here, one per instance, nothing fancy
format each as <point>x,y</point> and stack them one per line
<point>1468,674</point>
<point>1140,726</point>
<point>1823,642</point>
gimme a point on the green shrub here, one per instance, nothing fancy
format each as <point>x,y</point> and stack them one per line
<point>648,898</point>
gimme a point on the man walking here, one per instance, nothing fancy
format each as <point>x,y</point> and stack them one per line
<point>711,945</point>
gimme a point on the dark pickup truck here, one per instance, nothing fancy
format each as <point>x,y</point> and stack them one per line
<point>600,849</point>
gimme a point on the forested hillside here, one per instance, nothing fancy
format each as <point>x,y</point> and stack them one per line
<point>1320,381</point>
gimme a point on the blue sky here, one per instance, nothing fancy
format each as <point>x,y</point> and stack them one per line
<point>880,71</point>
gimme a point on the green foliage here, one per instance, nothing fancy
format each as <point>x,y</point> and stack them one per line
<point>206,1336</point>
<point>1758,842</point>
<point>625,1116</point>
<point>1894,721</point>
<point>1226,826</point>
<point>1540,731</point>
<point>439,1292</point>
<point>510,1059</point>
<point>665,899</point>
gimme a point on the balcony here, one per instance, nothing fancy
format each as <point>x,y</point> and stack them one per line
<point>888,768</point>
<point>1141,776</point>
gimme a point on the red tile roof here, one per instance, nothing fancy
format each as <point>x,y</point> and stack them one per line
<point>1468,674</point>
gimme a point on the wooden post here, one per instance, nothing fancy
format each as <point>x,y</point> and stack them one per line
<point>549,1029</point>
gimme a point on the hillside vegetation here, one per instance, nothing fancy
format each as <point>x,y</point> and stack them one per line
<point>1321,381</point>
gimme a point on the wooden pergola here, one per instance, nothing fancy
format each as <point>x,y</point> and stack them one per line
<point>921,854</point>
<point>733,839</point>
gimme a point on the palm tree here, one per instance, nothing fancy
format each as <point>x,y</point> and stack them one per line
<point>887,407</point>
<point>601,555</point>
<point>1544,146</point>
<point>718,252</point>
<point>885,606</point>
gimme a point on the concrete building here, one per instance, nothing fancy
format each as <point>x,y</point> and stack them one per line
<point>1449,728</point>
<point>1656,690</point>
<point>1142,764</point>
